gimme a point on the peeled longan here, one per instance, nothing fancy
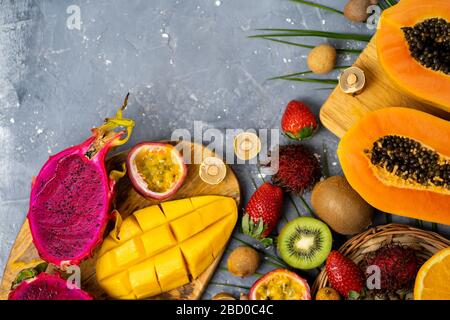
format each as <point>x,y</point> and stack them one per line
<point>243,261</point>
<point>322,59</point>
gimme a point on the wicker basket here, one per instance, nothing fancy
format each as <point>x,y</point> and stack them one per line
<point>426,243</point>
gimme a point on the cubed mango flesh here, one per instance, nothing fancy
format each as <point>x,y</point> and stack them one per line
<point>162,247</point>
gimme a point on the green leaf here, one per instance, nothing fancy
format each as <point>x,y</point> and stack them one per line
<point>311,80</point>
<point>303,73</point>
<point>316,5</point>
<point>29,273</point>
<point>307,46</point>
<point>266,242</point>
<point>353,295</point>
<point>305,132</point>
<point>246,224</point>
<point>291,75</point>
<point>330,88</point>
<point>311,33</point>
<point>260,228</point>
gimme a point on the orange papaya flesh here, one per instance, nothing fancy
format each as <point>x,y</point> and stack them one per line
<point>398,160</point>
<point>395,53</point>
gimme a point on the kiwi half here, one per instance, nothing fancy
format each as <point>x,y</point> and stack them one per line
<point>304,243</point>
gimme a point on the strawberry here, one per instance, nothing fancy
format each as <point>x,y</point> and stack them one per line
<point>344,275</point>
<point>263,212</point>
<point>298,122</point>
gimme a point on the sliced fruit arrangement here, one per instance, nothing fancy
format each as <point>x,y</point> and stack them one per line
<point>71,196</point>
<point>398,160</point>
<point>413,48</point>
<point>35,284</point>
<point>304,243</point>
<point>157,170</point>
<point>432,281</point>
<point>280,284</point>
<point>162,247</point>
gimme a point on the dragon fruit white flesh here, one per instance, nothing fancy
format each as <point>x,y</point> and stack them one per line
<point>71,196</point>
<point>47,287</point>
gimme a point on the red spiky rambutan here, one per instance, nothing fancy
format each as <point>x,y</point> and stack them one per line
<point>398,266</point>
<point>299,170</point>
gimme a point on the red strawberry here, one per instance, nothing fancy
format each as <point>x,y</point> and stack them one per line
<point>298,122</point>
<point>344,275</point>
<point>263,212</point>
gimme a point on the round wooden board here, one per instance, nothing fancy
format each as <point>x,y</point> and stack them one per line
<point>24,255</point>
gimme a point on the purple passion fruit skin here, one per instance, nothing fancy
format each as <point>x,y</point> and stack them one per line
<point>157,170</point>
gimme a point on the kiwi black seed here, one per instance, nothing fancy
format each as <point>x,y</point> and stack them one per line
<point>304,243</point>
<point>429,43</point>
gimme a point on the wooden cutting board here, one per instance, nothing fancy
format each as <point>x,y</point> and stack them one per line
<point>341,110</point>
<point>24,255</point>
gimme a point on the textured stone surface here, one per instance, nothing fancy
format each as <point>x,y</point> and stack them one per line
<point>180,60</point>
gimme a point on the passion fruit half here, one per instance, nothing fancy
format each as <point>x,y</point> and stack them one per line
<point>280,284</point>
<point>157,170</point>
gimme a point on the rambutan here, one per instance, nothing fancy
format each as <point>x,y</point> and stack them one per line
<point>398,266</point>
<point>298,171</point>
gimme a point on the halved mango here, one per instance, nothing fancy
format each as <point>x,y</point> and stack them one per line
<point>165,248</point>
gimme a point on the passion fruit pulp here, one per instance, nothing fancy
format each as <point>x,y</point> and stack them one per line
<point>156,170</point>
<point>280,284</point>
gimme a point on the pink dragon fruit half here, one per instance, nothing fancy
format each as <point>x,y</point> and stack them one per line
<point>47,287</point>
<point>71,196</point>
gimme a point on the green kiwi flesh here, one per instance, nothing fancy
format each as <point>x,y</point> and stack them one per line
<point>304,243</point>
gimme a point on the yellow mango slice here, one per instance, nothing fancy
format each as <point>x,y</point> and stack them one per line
<point>117,285</point>
<point>187,226</point>
<point>130,296</point>
<point>143,279</point>
<point>150,217</point>
<point>159,239</point>
<point>128,252</point>
<point>106,265</point>
<point>177,208</point>
<point>171,269</point>
<point>218,234</point>
<point>107,245</point>
<point>201,201</point>
<point>129,229</point>
<point>162,247</point>
<point>214,211</point>
<point>197,252</point>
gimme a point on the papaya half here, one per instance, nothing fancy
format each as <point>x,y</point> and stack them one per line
<point>413,45</point>
<point>398,160</point>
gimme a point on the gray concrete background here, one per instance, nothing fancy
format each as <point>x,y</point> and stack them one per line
<point>180,60</point>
